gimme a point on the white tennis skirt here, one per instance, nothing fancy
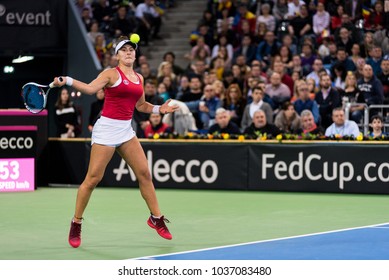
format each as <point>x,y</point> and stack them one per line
<point>111,132</point>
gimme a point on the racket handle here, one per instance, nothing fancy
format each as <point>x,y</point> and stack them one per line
<point>51,85</point>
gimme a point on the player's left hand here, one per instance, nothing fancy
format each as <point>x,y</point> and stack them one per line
<point>167,108</point>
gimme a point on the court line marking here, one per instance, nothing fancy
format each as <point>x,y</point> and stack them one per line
<point>375,226</point>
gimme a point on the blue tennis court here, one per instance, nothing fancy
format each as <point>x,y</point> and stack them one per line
<point>362,243</point>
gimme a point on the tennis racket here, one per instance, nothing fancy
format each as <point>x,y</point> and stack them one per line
<point>35,97</point>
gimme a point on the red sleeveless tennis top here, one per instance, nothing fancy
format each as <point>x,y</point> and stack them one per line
<point>120,100</point>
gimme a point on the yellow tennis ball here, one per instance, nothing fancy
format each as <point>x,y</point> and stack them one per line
<point>134,38</point>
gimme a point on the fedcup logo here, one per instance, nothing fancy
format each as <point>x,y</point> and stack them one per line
<point>2,10</point>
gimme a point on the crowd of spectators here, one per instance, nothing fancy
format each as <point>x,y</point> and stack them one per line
<point>264,66</point>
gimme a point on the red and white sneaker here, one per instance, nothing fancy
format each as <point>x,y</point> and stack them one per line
<point>75,234</point>
<point>160,227</point>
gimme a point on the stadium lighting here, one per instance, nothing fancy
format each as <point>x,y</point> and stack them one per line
<point>8,69</point>
<point>22,59</point>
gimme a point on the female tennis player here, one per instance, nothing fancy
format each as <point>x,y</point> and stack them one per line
<point>124,92</point>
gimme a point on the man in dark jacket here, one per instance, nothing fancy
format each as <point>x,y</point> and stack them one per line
<point>327,99</point>
<point>260,126</point>
<point>371,89</point>
<point>223,123</point>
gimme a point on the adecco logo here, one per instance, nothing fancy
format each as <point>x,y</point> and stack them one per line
<point>179,170</point>
<point>19,143</point>
<point>23,18</point>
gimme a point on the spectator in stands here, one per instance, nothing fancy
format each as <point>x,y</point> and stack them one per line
<point>165,69</point>
<point>222,42</point>
<point>170,57</point>
<point>354,9</point>
<point>162,91</point>
<point>328,99</point>
<point>287,119</point>
<point>100,47</point>
<point>342,58</point>
<point>204,31</point>
<point>321,22</point>
<point>183,87</point>
<point>86,18</point>
<point>340,126</point>
<point>286,56</point>
<point>331,57</point>
<point>346,22</point>
<point>267,17</point>
<point>223,123</point>
<point>94,32</point>
<point>267,49</point>
<point>238,77</point>
<point>102,12</point>
<point>340,75</point>
<point>336,19</point>
<point>122,24</point>
<point>207,19</point>
<point>375,60</point>
<point>308,56</point>
<point>149,21</point>
<point>261,127</point>
<point>375,21</point>
<point>83,6</point>
<point>304,102</point>
<point>66,116</point>
<point>234,103</point>
<point>141,120</point>
<point>200,45</point>
<point>355,53</point>
<point>219,89</point>
<point>323,49</point>
<point>308,124</point>
<point>368,44</point>
<point>351,94</point>
<point>260,33</point>
<point>95,109</point>
<point>376,127</point>
<point>317,66</point>
<point>256,104</point>
<point>300,25</point>
<point>371,89</point>
<point>344,40</point>
<point>147,73</point>
<point>207,107</point>
<point>294,8</point>
<point>226,30</point>
<point>296,59</point>
<point>247,49</point>
<point>384,77</point>
<point>195,92</point>
<point>277,91</point>
<point>280,11</point>
<point>244,14</point>
<point>156,126</point>
<point>244,65</point>
<point>312,88</point>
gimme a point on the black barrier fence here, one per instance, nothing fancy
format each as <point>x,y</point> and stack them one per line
<point>311,167</point>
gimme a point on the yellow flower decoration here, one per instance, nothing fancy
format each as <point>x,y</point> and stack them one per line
<point>241,137</point>
<point>190,134</point>
<point>338,136</point>
<point>156,136</point>
<point>360,137</point>
<point>210,136</point>
<point>279,137</point>
<point>263,137</point>
<point>226,136</point>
